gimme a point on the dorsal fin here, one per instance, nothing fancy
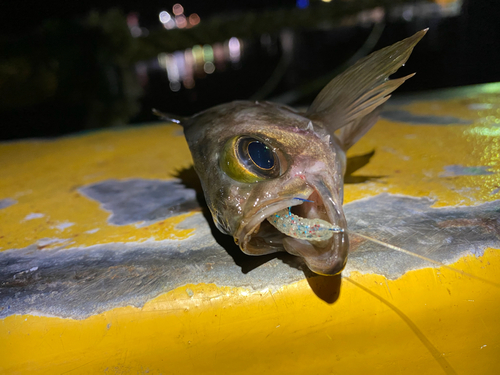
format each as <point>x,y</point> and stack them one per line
<point>350,101</point>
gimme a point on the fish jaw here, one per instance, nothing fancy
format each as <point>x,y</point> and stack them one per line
<point>316,200</point>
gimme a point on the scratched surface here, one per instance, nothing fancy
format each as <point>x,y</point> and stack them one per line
<point>95,223</point>
<point>82,282</point>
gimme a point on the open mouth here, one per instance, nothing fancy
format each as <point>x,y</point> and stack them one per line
<point>311,227</point>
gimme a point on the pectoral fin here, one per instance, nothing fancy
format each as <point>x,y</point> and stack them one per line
<point>351,101</point>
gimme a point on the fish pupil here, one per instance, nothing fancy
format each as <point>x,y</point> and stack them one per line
<point>257,158</point>
<point>261,155</point>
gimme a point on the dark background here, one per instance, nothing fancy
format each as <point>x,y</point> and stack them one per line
<point>65,69</point>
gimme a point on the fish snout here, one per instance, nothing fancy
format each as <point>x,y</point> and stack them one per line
<point>307,222</point>
<point>327,257</point>
<point>329,260</point>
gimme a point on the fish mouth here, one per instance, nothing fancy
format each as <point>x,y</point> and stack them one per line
<point>325,255</point>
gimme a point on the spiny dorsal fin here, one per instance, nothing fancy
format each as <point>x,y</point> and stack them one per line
<point>350,99</point>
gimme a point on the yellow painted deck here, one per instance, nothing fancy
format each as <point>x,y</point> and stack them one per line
<point>99,275</point>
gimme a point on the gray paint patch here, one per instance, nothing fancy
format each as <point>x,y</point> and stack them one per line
<point>442,234</point>
<point>79,282</point>
<point>460,170</point>
<point>4,203</point>
<point>139,200</point>
<point>410,118</point>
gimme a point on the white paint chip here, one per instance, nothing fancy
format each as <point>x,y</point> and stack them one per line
<point>63,226</point>
<point>33,216</point>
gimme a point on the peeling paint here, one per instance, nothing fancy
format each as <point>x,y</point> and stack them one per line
<point>443,234</point>
<point>33,216</point>
<point>79,282</point>
<point>141,201</point>
<point>4,203</point>
<point>460,170</point>
<point>63,226</point>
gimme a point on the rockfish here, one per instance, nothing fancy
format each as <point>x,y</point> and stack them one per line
<point>273,177</point>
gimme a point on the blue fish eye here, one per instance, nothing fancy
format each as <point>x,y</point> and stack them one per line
<point>257,157</point>
<point>261,155</point>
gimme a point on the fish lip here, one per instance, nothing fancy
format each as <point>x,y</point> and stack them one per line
<point>329,259</point>
<point>245,231</point>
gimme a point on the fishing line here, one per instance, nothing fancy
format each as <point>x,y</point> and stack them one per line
<point>320,230</point>
<point>401,250</point>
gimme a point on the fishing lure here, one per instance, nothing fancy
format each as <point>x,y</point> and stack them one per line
<point>302,228</point>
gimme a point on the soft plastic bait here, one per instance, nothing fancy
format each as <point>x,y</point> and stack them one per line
<point>302,228</point>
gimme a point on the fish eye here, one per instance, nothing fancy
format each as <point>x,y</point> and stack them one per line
<point>258,157</point>
<point>249,159</point>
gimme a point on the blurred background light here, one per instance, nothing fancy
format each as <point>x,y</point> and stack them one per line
<point>146,55</point>
<point>194,19</point>
<point>164,16</point>
<point>234,49</point>
<point>181,21</point>
<point>302,4</point>
<point>178,9</point>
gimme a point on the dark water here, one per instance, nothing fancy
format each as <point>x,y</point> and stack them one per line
<point>459,50</point>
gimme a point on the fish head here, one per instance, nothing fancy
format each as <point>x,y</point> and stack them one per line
<point>255,159</point>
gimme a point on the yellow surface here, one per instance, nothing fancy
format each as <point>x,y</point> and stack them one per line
<point>43,177</point>
<point>429,321</point>
<point>413,157</point>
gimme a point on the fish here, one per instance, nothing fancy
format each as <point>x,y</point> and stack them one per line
<point>273,177</point>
